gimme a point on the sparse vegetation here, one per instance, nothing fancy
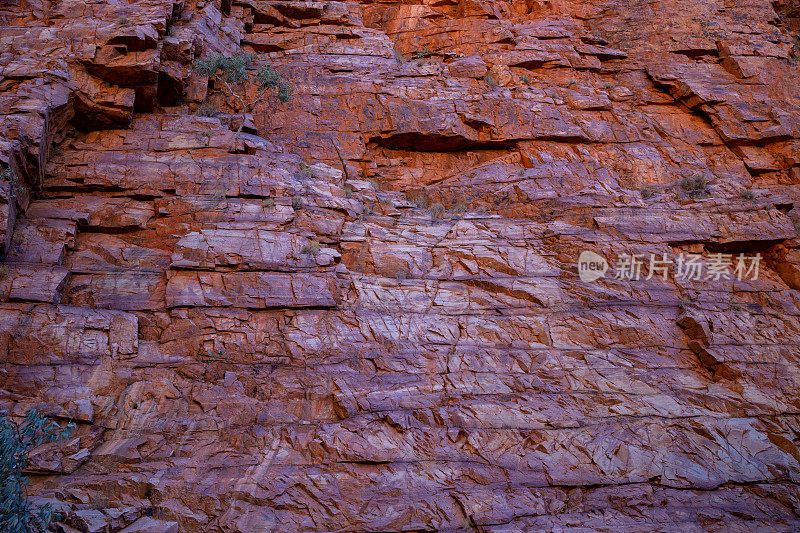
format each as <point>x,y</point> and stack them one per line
<point>422,53</point>
<point>5,173</point>
<point>297,203</point>
<point>233,73</point>
<point>436,210</point>
<point>399,57</point>
<point>304,171</point>
<point>748,195</point>
<point>348,191</point>
<point>207,136</point>
<point>491,83</point>
<point>459,208</point>
<point>647,192</point>
<point>123,21</point>
<point>16,442</point>
<point>269,203</point>
<point>695,183</point>
<point>420,201</point>
<point>311,248</point>
<point>207,109</point>
<point>211,357</point>
<point>4,270</point>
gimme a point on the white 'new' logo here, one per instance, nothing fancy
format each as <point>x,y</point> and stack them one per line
<point>591,266</point>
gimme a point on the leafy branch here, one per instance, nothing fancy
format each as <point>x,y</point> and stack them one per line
<point>17,515</point>
<point>233,72</point>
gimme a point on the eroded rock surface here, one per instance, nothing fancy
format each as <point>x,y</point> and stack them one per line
<point>285,331</point>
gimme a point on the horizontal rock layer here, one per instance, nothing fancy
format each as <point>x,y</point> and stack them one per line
<point>370,317</point>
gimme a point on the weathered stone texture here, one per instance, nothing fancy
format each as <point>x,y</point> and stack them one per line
<point>284,331</point>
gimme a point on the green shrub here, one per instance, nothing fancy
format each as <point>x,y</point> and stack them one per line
<point>233,73</point>
<point>419,54</point>
<point>211,357</point>
<point>16,442</point>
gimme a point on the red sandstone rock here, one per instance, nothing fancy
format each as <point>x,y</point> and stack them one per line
<point>252,335</point>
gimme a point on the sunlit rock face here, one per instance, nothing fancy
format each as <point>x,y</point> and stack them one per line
<point>366,312</point>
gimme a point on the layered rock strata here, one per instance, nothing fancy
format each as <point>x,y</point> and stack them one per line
<point>365,313</point>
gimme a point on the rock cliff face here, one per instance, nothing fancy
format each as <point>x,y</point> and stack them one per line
<point>286,331</point>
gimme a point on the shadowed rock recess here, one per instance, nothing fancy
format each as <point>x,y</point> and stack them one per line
<point>365,312</point>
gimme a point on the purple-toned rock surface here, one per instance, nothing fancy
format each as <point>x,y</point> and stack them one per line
<point>365,313</point>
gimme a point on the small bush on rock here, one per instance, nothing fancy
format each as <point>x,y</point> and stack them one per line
<point>436,210</point>
<point>17,515</point>
<point>695,183</point>
<point>421,202</point>
<point>233,73</point>
<point>304,171</point>
<point>490,82</point>
<point>419,54</point>
<point>311,248</point>
<point>207,109</point>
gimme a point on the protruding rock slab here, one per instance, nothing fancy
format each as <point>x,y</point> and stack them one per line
<point>36,332</point>
<point>32,282</point>
<point>251,290</point>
